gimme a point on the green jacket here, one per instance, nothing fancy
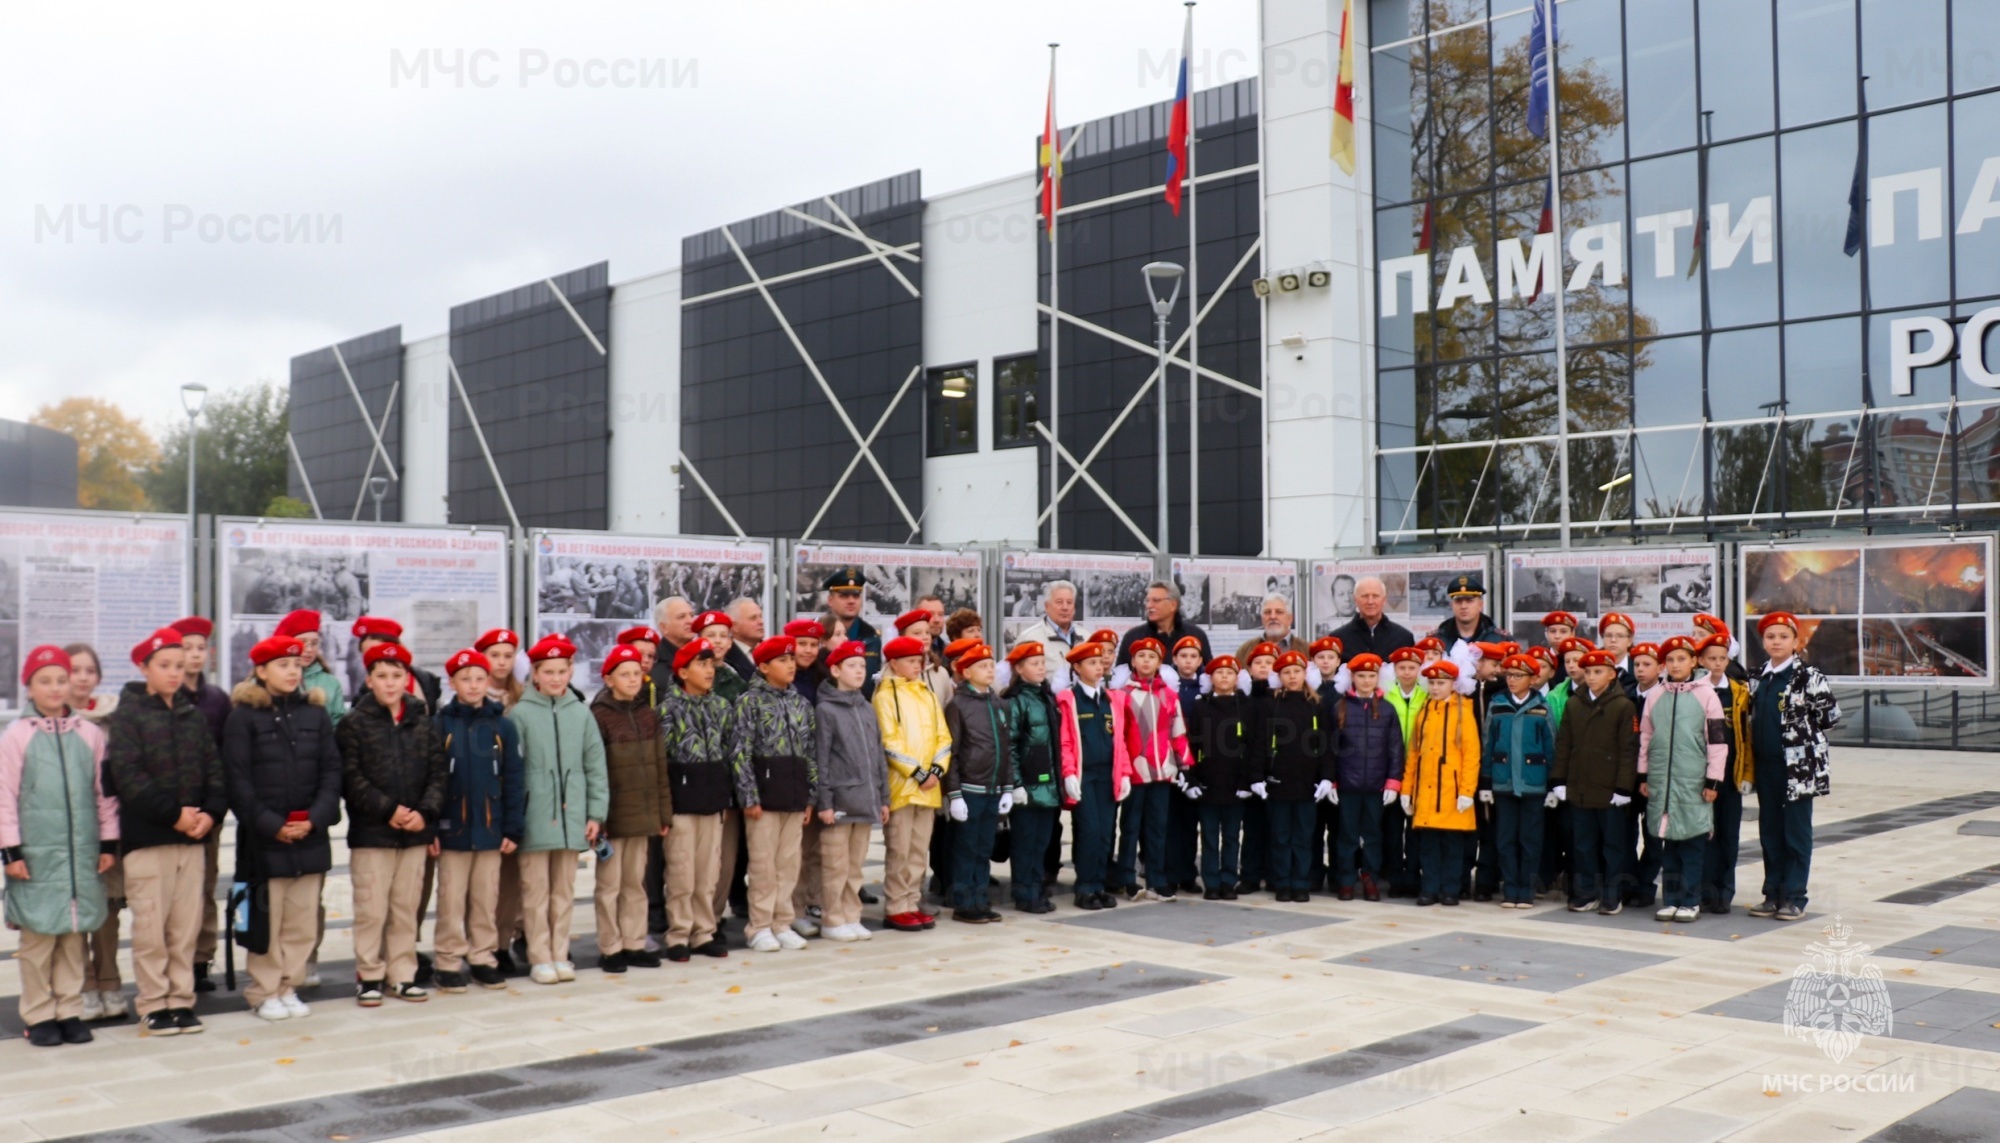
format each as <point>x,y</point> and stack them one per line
<point>1558,701</point>
<point>328,684</point>
<point>1683,747</point>
<point>56,817</point>
<point>771,723</point>
<point>1031,715</point>
<point>1407,708</point>
<point>728,684</point>
<point>562,754</point>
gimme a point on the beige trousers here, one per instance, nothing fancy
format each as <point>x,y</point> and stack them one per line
<point>100,958</point>
<point>51,976</point>
<point>163,885</point>
<point>507,910</point>
<point>211,916</point>
<point>906,843</point>
<point>468,891</point>
<point>694,850</point>
<point>621,897</point>
<point>294,924</point>
<point>548,902</point>
<point>773,839</point>
<point>732,840</point>
<point>808,892</point>
<point>387,883</point>
<point>842,849</point>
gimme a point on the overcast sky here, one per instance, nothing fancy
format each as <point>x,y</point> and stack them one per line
<point>141,119</point>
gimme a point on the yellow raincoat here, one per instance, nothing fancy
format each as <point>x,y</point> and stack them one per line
<point>1442,763</point>
<point>914,737</point>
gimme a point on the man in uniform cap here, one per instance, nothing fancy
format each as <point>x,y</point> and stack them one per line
<point>845,590</point>
<point>1469,621</point>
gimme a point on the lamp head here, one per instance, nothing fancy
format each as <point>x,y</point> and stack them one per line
<point>378,486</point>
<point>194,394</point>
<point>1162,277</point>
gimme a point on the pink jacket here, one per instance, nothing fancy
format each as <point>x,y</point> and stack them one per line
<point>1167,754</point>
<point>14,760</point>
<point>1071,746</point>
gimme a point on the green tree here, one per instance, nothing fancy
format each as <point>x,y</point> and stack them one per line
<point>287,508</point>
<point>240,458</point>
<point>114,451</point>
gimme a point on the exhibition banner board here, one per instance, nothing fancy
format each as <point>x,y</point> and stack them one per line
<point>1225,597</point>
<point>444,585</point>
<point>1110,589</point>
<point>103,578</point>
<point>1418,588</point>
<point>1879,611</point>
<point>896,578</point>
<point>1662,589</point>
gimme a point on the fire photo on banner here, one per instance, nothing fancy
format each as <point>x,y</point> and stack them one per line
<point>1662,589</point>
<point>896,578</point>
<point>105,579</point>
<point>1110,589</point>
<point>1225,597</point>
<point>1418,587</point>
<point>589,586</point>
<point>1879,611</point>
<point>444,585</point>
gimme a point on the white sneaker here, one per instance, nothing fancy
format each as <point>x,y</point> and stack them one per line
<point>114,1005</point>
<point>654,944</point>
<point>273,1010</point>
<point>787,939</point>
<point>294,1005</point>
<point>807,927</point>
<point>763,941</point>
<point>841,933</point>
<point>93,1007</point>
<point>1147,895</point>
<point>862,932</point>
<point>1664,913</point>
<point>565,970</point>
<point>545,974</point>
<point>312,977</point>
<point>1686,914</point>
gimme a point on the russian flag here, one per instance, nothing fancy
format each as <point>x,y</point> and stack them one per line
<point>1547,225</point>
<point>1177,126</point>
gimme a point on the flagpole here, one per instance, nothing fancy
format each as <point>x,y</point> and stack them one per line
<point>1556,272</point>
<point>1053,141</point>
<point>1194,315</point>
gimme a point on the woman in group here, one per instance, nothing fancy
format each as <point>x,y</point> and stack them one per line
<point>103,987</point>
<point>284,775</point>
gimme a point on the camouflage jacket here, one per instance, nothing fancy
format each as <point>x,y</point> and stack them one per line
<point>769,722</point>
<point>696,728</point>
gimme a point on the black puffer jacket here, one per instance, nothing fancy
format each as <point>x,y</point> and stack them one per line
<point>159,758</point>
<point>279,757</point>
<point>1226,734</point>
<point>385,764</point>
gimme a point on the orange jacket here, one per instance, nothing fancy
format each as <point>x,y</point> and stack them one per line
<point>1442,764</point>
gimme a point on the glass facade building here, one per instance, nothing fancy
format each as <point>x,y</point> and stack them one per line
<point>1730,355</point>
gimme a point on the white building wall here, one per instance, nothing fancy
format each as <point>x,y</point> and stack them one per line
<point>1320,436</point>
<point>979,290</point>
<point>645,393</point>
<point>426,413</point>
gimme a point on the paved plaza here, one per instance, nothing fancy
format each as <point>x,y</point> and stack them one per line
<point>1224,1020</point>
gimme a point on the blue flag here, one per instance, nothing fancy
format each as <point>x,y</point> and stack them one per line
<point>1857,193</point>
<point>1541,91</point>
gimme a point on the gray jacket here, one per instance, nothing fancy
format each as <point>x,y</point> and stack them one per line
<point>853,771</point>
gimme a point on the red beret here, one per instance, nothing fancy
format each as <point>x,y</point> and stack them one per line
<point>774,647</point>
<point>193,625</point>
<point>1712,623</point>
<point>978,653</point>
<point>959,646</point>
<point>393,652</point>
<point>1264,651</point>
<point>1365,662</point>
<point>1442,669</point>
<point>708,619</point>
<point>1720,640</point>
<point>1104,635</point>
<point>45,655</point>
<point>466,658</point>
<point>275,648</point>
<point>377,627</point>
<point>806,629</point>
<point>1599,659</point>
<point>495,637</point>
<point>1776,618</point>
<point>1406,655</point>
<point>920,615</point>
<point>551,647</point>
<point>639,634</point>
<point>1616,619</point>
<point>301,622</point>
<point>1082,651</point>
<point>1222,663</point>
<point>1024,650</point>
<point>1649,650</point>
<point>1494,651</point>
<point>902,647</point>
<point>1328,643</point>
<point>1186,641</point>
<point>159,640</point>
<point>1542,653</point>
<point>690,651</point>
<point>1559,619</point>
<point>1575,643</point>
<point>1149,644</point>
<point>1524,663</point>
<point>1430,643</point>
<point>1291,659</point>
<point>1676,643</point>
<point>848,649</point>
<point>622,653</point>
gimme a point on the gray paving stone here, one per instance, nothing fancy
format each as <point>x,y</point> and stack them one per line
<point>1882,821</point>
<point>1737,926</point>
<point>1517,962</point>
<point>1980,828</point>
<point>1927,1014</point>
<point>1197,922</point>
<point>1953,944</point>
<point>1947,888</point>
<point>1967,1115</point>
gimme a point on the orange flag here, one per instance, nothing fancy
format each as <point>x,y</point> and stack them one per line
<point>1343,94</point>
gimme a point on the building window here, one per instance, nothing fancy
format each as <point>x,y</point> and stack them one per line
<point>954,410</point>
<point>1017,403</point>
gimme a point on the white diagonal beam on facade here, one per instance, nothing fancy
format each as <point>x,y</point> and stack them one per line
<point>1173,356</point>
<point>854,230</point>
<point>812,367</point>
<point>713,499</point>
<point>856,458</point>
<point>576,317</point>
<point>367,418</point>
<point>368,473</point>
<point>305,478</point>
<point>1155,190</point>
<point>1145,541</point>
<point>479,434</point>
<point>791,276</point>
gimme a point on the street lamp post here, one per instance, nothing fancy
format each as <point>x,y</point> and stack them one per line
<point>1162,276</point>
<point>378,487</point>
<point>194,395</point>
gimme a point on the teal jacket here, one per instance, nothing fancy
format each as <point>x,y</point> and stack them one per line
<point>1520,744</point>
<point>562,756</point>
<point>55,816</point>
<point>328,684</point>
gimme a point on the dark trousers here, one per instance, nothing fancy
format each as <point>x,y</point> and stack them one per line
<point>1325,842</point>
<point>1482,856</point>
<point>1183,826</point>
<point>1555,848</point>
<point>944,856</point>
<point>1358,840</point>
<point>1221,827</point>
<point>972,851</point>
<point>1785,831</point>
<point>1142,824</point>
<point>1646,873</point>
<point>1443,857</point>
<point>1032,827</point>
<point>1291,843</point>
<point>1718,859</point>
<point>1253,864</point>
<point>1600,854</point>
<point>1093,819</point>
<point>1052,863</point>
<point>1517,842</point>
<point>1399,866</point>
<point>656,887</point>
<point>1680,871</point>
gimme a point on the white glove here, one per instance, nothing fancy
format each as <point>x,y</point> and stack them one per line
<point>1073,788</point>
<point>1242,793</point>
<point>1560,794</point>
<point>1486,796</point>
<point>1124,790</point>
<point>1171,770</point>
<point>1464,803</point>
<point>1258,789</point>
<point>1388,797</point>
<point>1620,800</point>
<point>1323,792</point>
<point>1409,807</point>
<point>1020,795</point>
<point>1007,803</point>
<point>958,809</point>
<point>1744,788</point>
<point>1193,792</point>
<point>1552,801</point>
<point>1180,780</point>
